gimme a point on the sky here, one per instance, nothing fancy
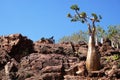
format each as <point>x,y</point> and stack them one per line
<point>46,18</point>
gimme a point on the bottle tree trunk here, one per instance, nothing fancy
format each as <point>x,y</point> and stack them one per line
<point>117,45</point>
<point>101,40</point>
<point>93,58</point>
<point>112,44</point>
<point>96,41</point>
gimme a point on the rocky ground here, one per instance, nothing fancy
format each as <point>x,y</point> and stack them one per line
<point>23,59</point>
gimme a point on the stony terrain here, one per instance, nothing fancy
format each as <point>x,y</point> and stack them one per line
<point>23,59</point>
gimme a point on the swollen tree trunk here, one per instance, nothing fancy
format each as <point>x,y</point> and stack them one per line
<point>96,41</point>
<point>93,58</point>
<point>112,44</point>
<point>101,40</point>
<point>117,46</point>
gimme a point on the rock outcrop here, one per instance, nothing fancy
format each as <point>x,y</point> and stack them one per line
<point>23,59</point>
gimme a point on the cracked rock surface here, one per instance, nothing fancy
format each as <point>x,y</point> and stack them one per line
<point>23,59</point>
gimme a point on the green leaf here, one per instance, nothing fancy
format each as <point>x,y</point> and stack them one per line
<point>73,20</point>
<point>74,7</point>
<point>97,20</point>
<point>94,16</point>
<point>100,17</point>
<point>83,15</point>
<point>82,21</point>
<point>69,15</point>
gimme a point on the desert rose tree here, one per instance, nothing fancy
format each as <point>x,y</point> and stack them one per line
<point>93,58</point>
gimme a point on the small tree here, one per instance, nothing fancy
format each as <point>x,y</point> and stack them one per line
<point>100,33</point>
<point>93,58</point>
<point>114,35</point>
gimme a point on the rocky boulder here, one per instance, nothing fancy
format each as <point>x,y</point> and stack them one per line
<point>62,48</point>
<point>16,45</point>
<point>43,66</point>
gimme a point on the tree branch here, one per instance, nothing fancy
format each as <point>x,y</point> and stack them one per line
<point>93,27</point>
<point>88,24</point>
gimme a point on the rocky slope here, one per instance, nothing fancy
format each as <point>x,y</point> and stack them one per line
<point>23,59</point>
